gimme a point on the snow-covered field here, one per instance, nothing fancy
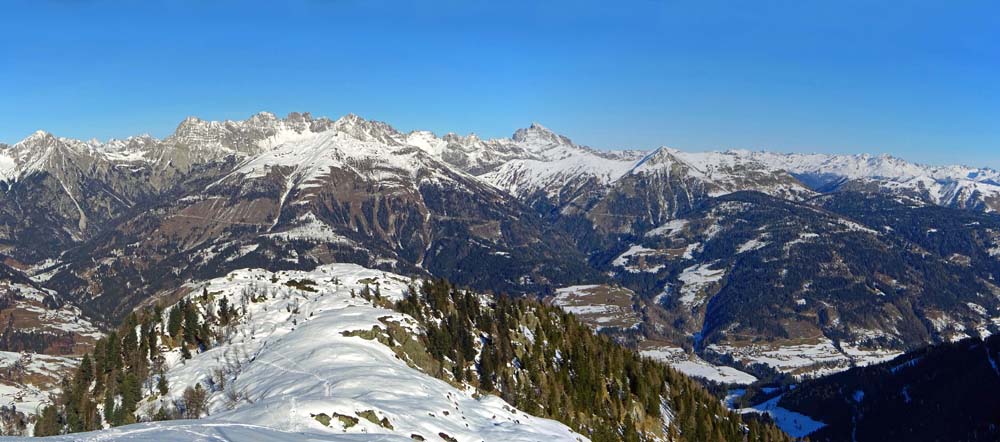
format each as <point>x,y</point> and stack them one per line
<point>291,364</point>
<point>694,366</point>
<point>811,360</point>
<point>633,259</point>
<point>34,315</point>
<point>795,424</point>
<point>669,229</point>
<point>598,305</point>
<point>696,279</point>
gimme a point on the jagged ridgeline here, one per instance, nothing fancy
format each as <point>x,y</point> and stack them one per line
<point>538,358</point>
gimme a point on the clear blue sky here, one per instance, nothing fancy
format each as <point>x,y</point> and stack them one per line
<point>918,79</point>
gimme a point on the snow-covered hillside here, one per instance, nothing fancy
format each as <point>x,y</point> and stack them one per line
<point>294,363</point>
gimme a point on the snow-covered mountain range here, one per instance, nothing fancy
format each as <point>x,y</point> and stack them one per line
<point>533,159</point>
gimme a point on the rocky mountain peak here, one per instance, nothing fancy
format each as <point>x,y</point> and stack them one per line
<point>455,138</point>
<point>38,134</point>
<point>299,118</point>
<point>537,135</point>
<point>263,119</point>
<point>189,123</point>
<point>368,130</point>
<point>38,139</point>
<point>37,143</point>
<point>662,156</point>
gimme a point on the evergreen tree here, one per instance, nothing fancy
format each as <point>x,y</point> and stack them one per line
<point>175,319</point>
<point>48,422</point>
<point>161,385</point>
<point>109,407</point>
<point>224,311</point>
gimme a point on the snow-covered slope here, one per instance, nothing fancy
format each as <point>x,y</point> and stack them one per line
<point>312,155</point>
<point>295,365</point>
<point>533,159</point>
<point>568,165</point>
<point>724,172</point>
<point>194,142</point>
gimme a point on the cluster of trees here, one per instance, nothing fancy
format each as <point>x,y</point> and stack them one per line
<point>545,362</point>
<point>128,364</point>
<point>12,339</point>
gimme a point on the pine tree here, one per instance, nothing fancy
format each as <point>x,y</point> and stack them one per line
<point>161,384</point>
<point>109,407</point>
<point>131,394</point>
<point>486,369</point>
<point>224,310</point>
<point>48,422</point>
<point>85,373</point>
<point>191,326</point>
<point>175,320</point>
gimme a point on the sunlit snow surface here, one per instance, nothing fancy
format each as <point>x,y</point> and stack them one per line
<point>298,365</point>
<point>215,431</point>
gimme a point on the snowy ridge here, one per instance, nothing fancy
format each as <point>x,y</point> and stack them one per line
<point>298,359</point>
<point>311,157</point>
<point>525,176</point>
<point>42,151</point>
<point>537,159</point>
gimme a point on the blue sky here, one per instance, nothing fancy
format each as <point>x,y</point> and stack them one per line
<point>920,80</point>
